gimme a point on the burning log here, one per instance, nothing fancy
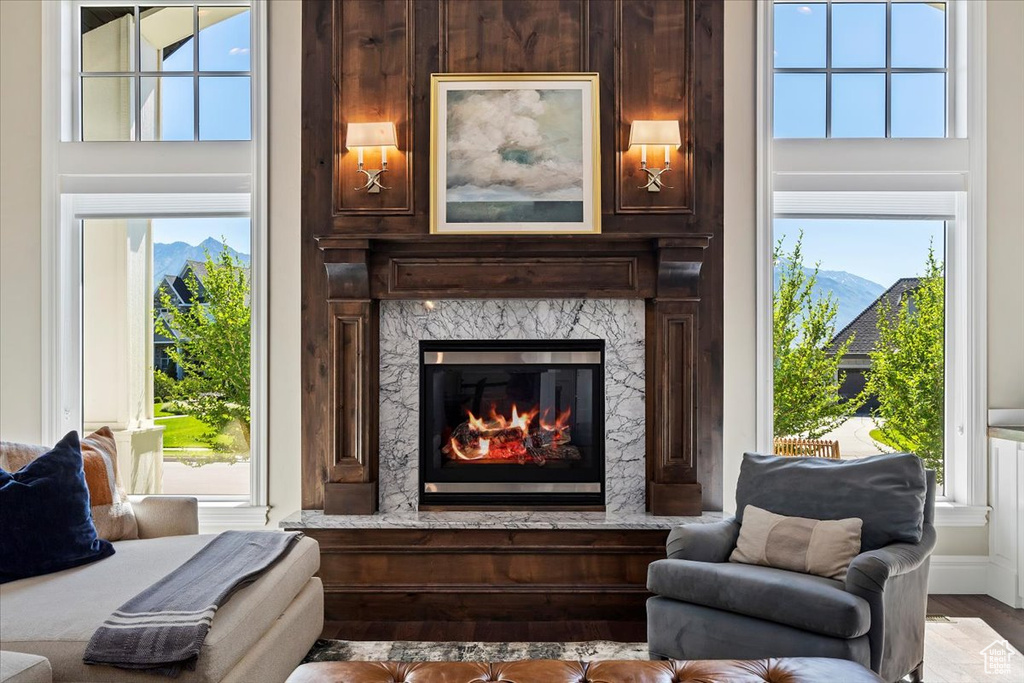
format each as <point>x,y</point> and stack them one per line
<point>499,439</point>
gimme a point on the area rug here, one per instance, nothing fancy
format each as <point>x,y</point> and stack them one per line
<point>410,651</point>
<point>953,652</point>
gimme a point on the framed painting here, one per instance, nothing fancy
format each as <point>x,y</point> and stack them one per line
<point>515,154</point>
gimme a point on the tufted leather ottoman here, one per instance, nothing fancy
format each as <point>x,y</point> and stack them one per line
<point>785,670</point>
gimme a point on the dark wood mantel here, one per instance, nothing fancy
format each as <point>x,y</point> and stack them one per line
<point>372,60</point>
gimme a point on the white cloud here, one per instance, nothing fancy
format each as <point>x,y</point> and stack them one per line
<point>495,139</point>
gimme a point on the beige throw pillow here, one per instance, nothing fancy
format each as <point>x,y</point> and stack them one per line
<point>112,514</point>
<point>811,546</point>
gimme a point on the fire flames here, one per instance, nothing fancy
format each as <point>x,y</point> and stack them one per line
<point>521,437</point>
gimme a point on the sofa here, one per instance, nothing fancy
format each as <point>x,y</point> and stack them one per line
<point>707,607</point>
<point>261,634</point>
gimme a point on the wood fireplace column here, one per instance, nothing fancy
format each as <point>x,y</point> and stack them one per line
<point>350,487</point>
<point>676,371</point>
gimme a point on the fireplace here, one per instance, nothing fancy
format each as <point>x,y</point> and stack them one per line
<point>512,423</point>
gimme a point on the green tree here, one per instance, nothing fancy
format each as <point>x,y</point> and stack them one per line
<point>807,377</point>
<point>908,369</point>
<point>213,344</point>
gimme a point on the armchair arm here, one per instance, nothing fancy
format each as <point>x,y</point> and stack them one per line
<point>869,572</point>
<point>894,582</point>
<point>703,542</point>
<point>160,516</point>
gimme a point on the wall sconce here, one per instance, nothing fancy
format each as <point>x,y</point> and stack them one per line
<point>645,133</point>
<point>380,134</point>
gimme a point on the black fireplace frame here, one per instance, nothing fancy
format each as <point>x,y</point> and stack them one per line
<point>518,500</point>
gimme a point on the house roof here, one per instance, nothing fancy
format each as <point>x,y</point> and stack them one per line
<point>864,328</point>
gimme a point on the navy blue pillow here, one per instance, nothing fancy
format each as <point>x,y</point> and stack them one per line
<point>45,520</point>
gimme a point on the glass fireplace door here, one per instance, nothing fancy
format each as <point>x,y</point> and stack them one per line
<point>512,423</point>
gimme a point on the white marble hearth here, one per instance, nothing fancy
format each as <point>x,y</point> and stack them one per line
<point>619,322</point>
<point>316,519</point>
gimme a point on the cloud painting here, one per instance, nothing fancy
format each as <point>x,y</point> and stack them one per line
<point>514,156</point>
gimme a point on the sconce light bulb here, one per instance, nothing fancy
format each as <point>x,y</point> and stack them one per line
<point>359,152</point>
<point>643,156</point>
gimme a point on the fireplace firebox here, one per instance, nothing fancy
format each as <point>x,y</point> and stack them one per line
<point>512,423</point>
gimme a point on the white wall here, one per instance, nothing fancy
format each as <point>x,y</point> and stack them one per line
<point>20,370</point>
<point>740,344</point>
<point>285,104</point>
<point>1006,204</point>
<point>20,202</point>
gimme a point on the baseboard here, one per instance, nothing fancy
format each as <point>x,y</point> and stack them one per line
<point>1002,584</point>
<point>958,575</point>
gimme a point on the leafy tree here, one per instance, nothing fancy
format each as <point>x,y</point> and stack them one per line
<point>807,377</point>
<point>163,385</point>
<point>908,369</point>
<point>213,344</point>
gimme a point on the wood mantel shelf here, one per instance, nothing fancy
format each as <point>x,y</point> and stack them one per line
<point>371,60</point>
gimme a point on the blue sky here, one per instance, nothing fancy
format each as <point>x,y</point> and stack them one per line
<point>224,113</point>
<point>858,41</point>
<point>881,251</point>
<point>235,231</point>
<point>224,101</point>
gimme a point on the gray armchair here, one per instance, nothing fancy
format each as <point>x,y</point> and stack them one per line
<point>706,607</point>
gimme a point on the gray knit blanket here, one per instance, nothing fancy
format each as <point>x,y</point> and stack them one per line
<point>161,630</point>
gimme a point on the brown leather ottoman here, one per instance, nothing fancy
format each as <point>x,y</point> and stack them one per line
<point>785,670</point>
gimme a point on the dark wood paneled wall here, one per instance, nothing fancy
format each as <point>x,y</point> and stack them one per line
<point>485,574</point>
<point>371,60</point>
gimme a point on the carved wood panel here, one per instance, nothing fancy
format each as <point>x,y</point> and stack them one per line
<point>513,35</point>
<point>373,52</point>
<point>354,382</point>
<point>654,80</point>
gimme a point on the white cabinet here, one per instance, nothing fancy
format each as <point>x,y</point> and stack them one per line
<point>1006,522</point>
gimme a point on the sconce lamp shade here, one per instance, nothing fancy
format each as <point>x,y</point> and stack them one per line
<point>654,133</point>
<point>378,134</point>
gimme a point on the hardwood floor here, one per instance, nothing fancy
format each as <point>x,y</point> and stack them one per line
<point>1006,621</point>
<point>1003,619</point>
<point>489,631</point>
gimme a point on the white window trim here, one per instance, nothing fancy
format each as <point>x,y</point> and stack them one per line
<point>116,176</point>
<point>946,165</point>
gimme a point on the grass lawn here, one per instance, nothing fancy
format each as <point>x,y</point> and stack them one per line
<point>185,431</point>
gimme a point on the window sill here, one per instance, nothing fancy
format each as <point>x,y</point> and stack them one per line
<point>218,516</point>
<point>949,514</point>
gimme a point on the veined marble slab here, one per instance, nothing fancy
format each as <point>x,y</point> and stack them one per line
<point>619,322</point>
<point>316,519</point>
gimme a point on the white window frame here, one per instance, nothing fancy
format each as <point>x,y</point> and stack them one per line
<point>954,72</point>
<point>81,179</point>
<point>953,166</point>
<point>72,131</point>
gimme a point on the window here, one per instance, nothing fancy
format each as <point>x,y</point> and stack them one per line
<point>871,232</point>
<point>859,332</point>
<point>860,69</point>
<point>155,250</point>
<point>143,76</point>
<point>170,374</point>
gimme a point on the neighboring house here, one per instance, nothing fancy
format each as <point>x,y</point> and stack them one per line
<point>181,298</point>
<point>864,330</point>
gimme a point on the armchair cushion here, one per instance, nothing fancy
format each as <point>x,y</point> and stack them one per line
<point>18,667</point>
<point>161,516</point>
<point>888,492</point>
<point>811,603</point>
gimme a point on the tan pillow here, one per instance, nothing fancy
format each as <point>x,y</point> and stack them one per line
<point>111,512</point>
<point>811,546</point>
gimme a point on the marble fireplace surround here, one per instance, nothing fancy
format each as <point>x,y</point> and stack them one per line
<point>620,322</point>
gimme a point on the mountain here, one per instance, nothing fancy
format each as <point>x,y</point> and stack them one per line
<point>852,292</point>
<point>168,259</point>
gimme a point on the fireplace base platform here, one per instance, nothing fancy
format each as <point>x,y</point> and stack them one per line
<point>498,566</point>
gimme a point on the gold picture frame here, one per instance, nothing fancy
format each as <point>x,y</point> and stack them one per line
<point>515,154</point>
